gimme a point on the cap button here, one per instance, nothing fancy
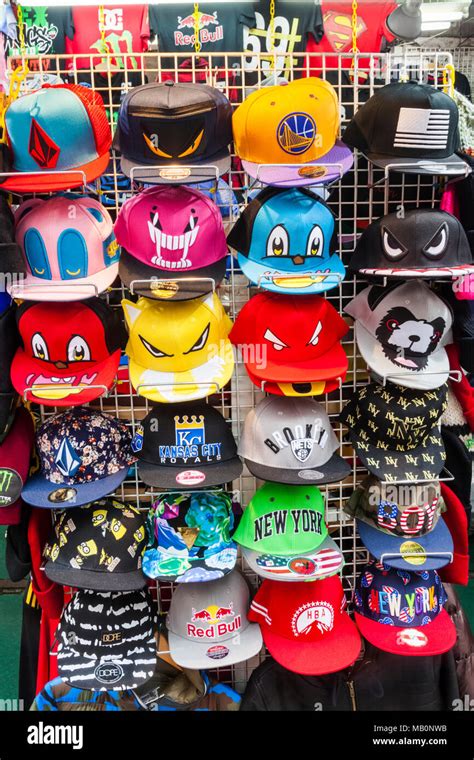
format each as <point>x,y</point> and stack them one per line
<point>169,83</point>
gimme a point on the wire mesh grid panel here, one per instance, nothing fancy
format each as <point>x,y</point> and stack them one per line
<point>358,198</point>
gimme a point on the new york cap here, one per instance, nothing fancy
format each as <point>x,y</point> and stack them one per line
<point>98,546</point>
<point>290,440</point>
<point>174,126</point>
<point>305,626</point>
<point>293,123</point>
<point>182,446</point>
<point>84,455</point>
<point>284,536</point>
<point>402,612</point>
<point>410,126</point>
<point>401,333</point>
<point>208,626</point>
<point>285,240</point>
<point>173,243</point>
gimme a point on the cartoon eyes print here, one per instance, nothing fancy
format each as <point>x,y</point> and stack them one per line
<point>152,143</point>
<point>314,340</point>
<point>437,245</point>
<point>39,347</point>
<point>78,350</point>
<point>197,346</point>
<point>391,246</point>
<point>392,324</point>
<point>278,344</point>
<point>278,243</point>
<point>315,243</point>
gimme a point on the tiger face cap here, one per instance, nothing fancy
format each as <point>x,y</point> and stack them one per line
<point>179,351</point>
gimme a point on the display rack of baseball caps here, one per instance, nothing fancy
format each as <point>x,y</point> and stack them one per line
<point>173,257</point>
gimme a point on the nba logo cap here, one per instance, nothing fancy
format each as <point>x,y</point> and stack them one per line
<point>410,126</point>
<point>292,341</point>
<point>285,241</point>
<point>290,440</point>
<point>15,454</point>
<point>401,332</point>
<point>182,446</point>
<point>173,243</point>
<point>284,536</point>
<point>305,626</point>
<point>402,612</point>
<point>208,626</point>
<point>400,525</point>
<point>84,455</point>
<point>61,128</point>
<point>179,351</point>
<point>99,546</point>
<point>106,640</point>
<point>167,130</point>
<point>425,243</point>
<point>69,249</point>
<point>395,431</point>
<point>294,123</point>
<point>70,352</point>
<point>190,538</point>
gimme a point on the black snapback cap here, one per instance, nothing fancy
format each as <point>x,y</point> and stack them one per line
<point>174,125</point>
<point>408,123</point>
<point>183,446</point>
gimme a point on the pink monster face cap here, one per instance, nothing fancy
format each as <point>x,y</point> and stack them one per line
<point>173,243</point>
<point>69,248</point>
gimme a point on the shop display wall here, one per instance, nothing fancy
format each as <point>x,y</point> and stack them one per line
<point>364,197</point>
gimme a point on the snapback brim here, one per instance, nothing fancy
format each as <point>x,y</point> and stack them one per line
<point>177,286</point>
<point>91,579</point>
<point>332,166</point>
<point>36,289</point>
<point>414,553</point>
<point>320,563</point>
<point>437,637</point>
<point>452,165</point>
<point>295,390</point>
<point>217,654</point>
<point>22,182</point>
<point>40,492</point>
<point>176,174</point>
<point>191,476</point>
<point>332,364</point>
<point>336,650</point>
<point>162,566</point>
<point>308,281</point>
<point>440,272</point>
<point>332,471</point>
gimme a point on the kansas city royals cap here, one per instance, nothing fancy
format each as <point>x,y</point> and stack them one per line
<point>183,446</point>
<point>410,126</point>
<point>395,431</point>
<point>305,626</point>
<point>84,455</point>
<point>277,129</point>
<point>167,130</point>
<point>68,247</point>
<point>403,612</point>
<point>190,537</point>
<point>98,546</point>
<point>400,525</point>
<point>285,241</point>
<point>290,440</point>
<point>425,243</point>
<point>402,332</point>
<point>106,640</point>
<point>208,626</point>
<point>284,536</point>
<point>180,251</point>
<point>61,128</point>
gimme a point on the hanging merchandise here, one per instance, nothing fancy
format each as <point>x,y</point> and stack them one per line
<point>182,253</point>
<point>45,29</point>
<point>15,455</point>
<point>295,125</point>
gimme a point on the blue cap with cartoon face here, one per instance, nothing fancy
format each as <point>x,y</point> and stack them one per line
<point>285,241</point>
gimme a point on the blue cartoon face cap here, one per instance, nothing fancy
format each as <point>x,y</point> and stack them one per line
<point>285,242</point>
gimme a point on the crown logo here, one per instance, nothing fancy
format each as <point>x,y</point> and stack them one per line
<point>190,431</point>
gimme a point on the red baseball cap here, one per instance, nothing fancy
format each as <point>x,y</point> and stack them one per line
<point>291,338</point>
<point>305,626</point>
<point>70,352</point>
<point>15,453</point>
<point>60,128</point>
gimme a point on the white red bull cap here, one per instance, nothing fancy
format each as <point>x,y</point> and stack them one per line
<point>208,625</point>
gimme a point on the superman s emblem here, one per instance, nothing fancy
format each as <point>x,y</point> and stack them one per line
<point>338,30</point>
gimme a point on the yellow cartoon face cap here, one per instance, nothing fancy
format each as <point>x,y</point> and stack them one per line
<point>178,350</point>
